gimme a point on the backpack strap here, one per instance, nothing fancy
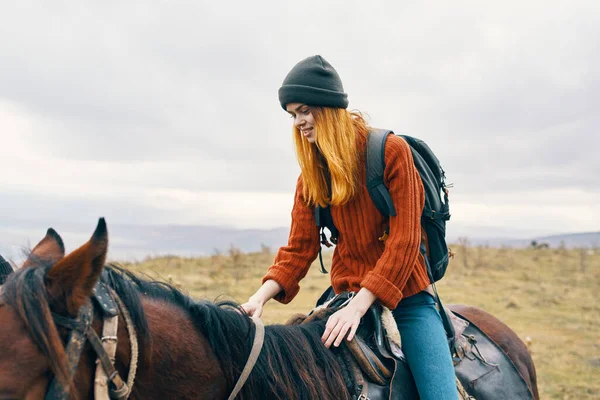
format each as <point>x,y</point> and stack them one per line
<point>375,161</point>
<point>439,216</point>
<point>323,219</point>
<point>448,327</point>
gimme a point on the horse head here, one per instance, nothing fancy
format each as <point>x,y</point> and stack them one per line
<point>48,284</point>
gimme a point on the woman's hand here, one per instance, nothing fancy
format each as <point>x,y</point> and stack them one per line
<point>340,323</point>
<point>346,321</point>
<point>254,306</point>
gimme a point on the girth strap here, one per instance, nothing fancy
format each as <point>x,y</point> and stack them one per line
<point>259,337</point>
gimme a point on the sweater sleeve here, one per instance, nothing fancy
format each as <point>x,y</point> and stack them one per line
<point>396,264</point>
<point>293,261</point>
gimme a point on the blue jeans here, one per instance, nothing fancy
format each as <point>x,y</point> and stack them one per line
<point>426,348</point>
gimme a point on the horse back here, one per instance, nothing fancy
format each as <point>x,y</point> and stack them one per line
<point>505,338</point>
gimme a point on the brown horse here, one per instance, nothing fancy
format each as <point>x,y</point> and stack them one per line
<point>188,349</point>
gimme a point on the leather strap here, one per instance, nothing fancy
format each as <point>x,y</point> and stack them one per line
<point>134,348</point>
<point>80,331</point>
<point>106,362</point>
<point>118,390</point>
<point>76,341</point>
<point>109,343</point>
<point>104,300</point>
<point>259,337</point>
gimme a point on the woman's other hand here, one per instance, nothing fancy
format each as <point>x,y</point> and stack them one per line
<point>345,322</point>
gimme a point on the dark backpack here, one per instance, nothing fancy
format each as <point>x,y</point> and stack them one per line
<point>436,209</point>
<point>433,219</point>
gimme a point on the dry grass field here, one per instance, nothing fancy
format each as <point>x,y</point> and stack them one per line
<point>548,296</point>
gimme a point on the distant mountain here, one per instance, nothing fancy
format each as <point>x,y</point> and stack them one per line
<point>590,239</point>
<point>571,240</point>
<point>191,240</point>
<point>136,242</point>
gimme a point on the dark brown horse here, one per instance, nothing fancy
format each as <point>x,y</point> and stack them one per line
<point>188,349</point>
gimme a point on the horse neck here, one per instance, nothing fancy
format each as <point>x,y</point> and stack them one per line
<point>176,363</point>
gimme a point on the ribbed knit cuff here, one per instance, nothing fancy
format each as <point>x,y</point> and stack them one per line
<point>388,294</point>
<point>287,282</point>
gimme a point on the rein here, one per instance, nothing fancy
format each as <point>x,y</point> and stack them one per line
<point>259,337</point>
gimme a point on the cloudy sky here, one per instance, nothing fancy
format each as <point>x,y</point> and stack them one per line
<point>166,112</point>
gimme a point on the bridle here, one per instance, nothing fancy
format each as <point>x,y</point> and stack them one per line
<point>108,382</point>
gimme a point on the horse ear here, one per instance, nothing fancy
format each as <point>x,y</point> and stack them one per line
<point>49,250</point>
<point>71,280</point>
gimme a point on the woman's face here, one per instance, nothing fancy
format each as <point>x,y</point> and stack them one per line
<point>303,120</point>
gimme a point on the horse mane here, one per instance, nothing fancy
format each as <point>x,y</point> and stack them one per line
<point>304,370</point>
<point>293,364</point>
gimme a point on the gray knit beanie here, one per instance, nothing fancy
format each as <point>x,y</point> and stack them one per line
<point>313,81</point>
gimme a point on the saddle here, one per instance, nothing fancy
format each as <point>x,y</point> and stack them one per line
<point>375,368</point>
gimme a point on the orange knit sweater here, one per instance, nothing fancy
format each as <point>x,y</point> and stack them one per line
<point>392,269</point>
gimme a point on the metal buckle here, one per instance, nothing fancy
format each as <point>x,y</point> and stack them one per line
<point>345,303</point>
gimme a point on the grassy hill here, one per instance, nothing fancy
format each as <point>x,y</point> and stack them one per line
<point>547,295</point>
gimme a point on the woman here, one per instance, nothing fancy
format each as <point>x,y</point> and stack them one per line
<point>330,144</point>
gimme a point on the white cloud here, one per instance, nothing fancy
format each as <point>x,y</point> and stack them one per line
<point>529,212</point>
<point>168,111</point>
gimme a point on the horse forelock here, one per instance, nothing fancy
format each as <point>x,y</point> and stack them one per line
<point>26,294</point>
